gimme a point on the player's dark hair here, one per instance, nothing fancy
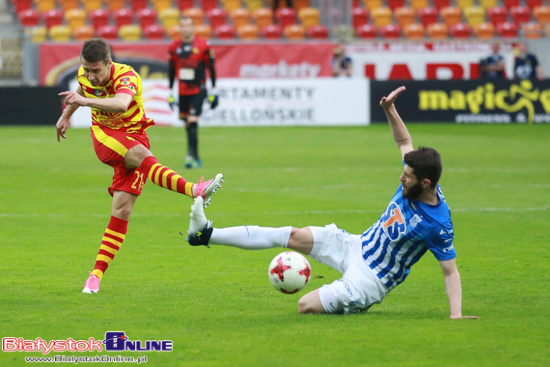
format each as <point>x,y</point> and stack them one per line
<point>185,17</point>
<point>96,49</point>
<point>425,163</point>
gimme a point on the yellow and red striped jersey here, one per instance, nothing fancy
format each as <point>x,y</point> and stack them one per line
<point>124,79</point>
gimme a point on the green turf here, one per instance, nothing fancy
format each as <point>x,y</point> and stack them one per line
<point>217,304</point>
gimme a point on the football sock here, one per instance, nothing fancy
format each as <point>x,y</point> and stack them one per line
<point>165,177</point>
<point>192,140</point>
<point>110,244</point>
<point>251,237</point>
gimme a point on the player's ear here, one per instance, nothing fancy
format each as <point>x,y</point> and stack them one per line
<point>426,183</point>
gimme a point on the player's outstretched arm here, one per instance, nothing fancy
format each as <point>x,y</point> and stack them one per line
<point>453,287</point>
<point>118,104</point>
<point>398,128</point>
<point>65,120</point>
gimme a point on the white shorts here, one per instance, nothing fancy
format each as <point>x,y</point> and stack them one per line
<point>359,287</point>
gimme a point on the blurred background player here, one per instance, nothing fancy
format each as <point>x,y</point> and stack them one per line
<point>189,57</point>
<point>342,66</point>
<point>492,67</point>
<point>114,94</point>
<point>526,65</point>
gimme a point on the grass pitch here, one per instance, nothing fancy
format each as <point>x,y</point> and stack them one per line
<point>217,305</point>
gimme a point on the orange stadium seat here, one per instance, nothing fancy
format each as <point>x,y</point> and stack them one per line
<point>488,4</point>
<point>532,30</point>
<point>248,32</point>
<point>207,5</point>
<point>29,18</point>
<point>419,4</point>
<point>463,4</point>
<point>309,17</point>
<point>75,18</point>
<point>509,4</point>
<point>437,31</point>
<point>113,5</point>
<point>153,32</point>
<point>475,15</point>
<point>162,4</point>
<point>405,16</point>
<point>507,30</point>
<point>239,17</point>
<point>300,4</point>
<point>395,4</point>
<point>231,5</point>
<point>38,34</point>
<point>91,5</point>
<point>225,32</point>
<point>460,30</point>
<point>373,4</point>
<point>68,4</point>
<point>427,16</point>
<point>451,15</point>
<point>169,17</point>
<point>263,17</point>
<point>52,17</point>
<point>44,5</point>
<point>130,32</point>
<point>542,14</point>
<point>175,32</point>
<point>532,4</point>
<point>359,16</point>
<point>440,4</point>
<point>484,30</point>
<point>60,33</point>
<point>414,31</point>
<point>203,31</point>
<point>216,17</point>
<point>196,13</point>
<point>271,32</point>
<point>185,4</point>
<point>294,32</point>
<point>137,5</point>
<point>381,17</point>
<point>497,15</point>
<point>285,17</point>
<point>123,17</point>
<point>146,17</point>
<point>366,31</point>
<point>520,14</point>
<point>108,32</point>
<point>83,33</point>
<point>318,31</point>
<point>390,31</point>
<point>99,18</point>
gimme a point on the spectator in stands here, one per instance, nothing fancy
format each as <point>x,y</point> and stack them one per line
<point>342,65</point>
<point>492,67</point>
<point>526,65</point>
<point>276,5</point>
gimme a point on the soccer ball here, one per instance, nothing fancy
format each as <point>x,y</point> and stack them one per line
<point>289,272</point>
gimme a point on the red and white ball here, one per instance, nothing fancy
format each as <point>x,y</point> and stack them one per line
<point>289,272</point>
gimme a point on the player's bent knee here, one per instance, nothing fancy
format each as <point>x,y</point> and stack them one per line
<point>311,304</point>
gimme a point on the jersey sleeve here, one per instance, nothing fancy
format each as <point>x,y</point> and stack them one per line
<point>126,83</point>
<point>441,244</point>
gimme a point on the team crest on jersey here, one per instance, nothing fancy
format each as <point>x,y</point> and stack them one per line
<point>125,81</point>
<point>98,92</point>
<point>394,222</point>
<point>195,50</point>
<point>415,220</point>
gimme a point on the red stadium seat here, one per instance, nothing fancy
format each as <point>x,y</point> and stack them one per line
<point>28,18</point>
<point>21,5</point>
<point>532,4</point>
<point>440,4</point>
<point>286,17</point>
<point>136,5</point>
<point>394,4</point>
<point>185,4</point>
<point>123,17</point>
<point>317,32</point>
<point>146,17</point>
<point>207,5</point>
<point>52,17</point>
<point>108,32</point>
<point>460,30</point>
<point>366,31</point>
<point>216,17</point>
<point>497,15</point>
<point>360,16</point>
<point>271,32</point>
<point>520,14</point>
<point>225,31</point>
<point>508,4</point>
<point>427,16</point>
<point>507,30</point>
<point>153,32</point>
<point>390,31</point>
<point>99,18</point>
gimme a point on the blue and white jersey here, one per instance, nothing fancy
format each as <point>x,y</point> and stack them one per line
<point>404,232</point>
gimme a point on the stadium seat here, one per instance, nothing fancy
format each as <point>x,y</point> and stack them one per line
<point>294,32</point>
<point>309,17</point>
<point>248,32</point>
<point>520,14</point>
<point>263,17</point>
<point>460,30</point>
<point>162,4</point>
<point>114,5</point>
<point>207,5</point>
<point>366,31</point>
<point>404,16</point>
<point>29,18</point>
<point>146,17</point>
<point>488,4</point>
<point>542,14</point>
<point>451,15</point>
<point>75,18</point>
<point>395,4</point>
<point>60,33</point>
<point>99,18</point>
<point>83,33</point>
<point>507,30</point>
<point>231,5</point>
<point>225,32</point>
<point>318,31</point>
<point>475,15</point>
<point>497,15</point>
<point>271,32</point>
<point>169,17</point>
<point>108,32</point>
<point>437,31</point>
<point>463,4</point>
<point>52,17</point>
<point>196,13</point>
<point>427,16</point>
<point>45,5</point>
<point>239,17</point>
<point>419,4</point>
<point>509,4</point>
<point>531,30</point>
<point>413,31</point>
<point>91,5</point>
<point>38,34</point>
<point>153,32</point>
<point>21,5</point>
<point>137,5</point>
<point>440,4</point>
<point>532,4</point>
<point>484,30</point>
<point>359,17</point>
<point>68,4</point>
<point>130,33</point>
<point>381,17</point>
<point>300,4</point>
<point>174,32</point>
<point>203,30</point>
<point>390,31</point>
<point>123,17</point>
<point>185,4</point>
<point>216,17</point>
<point>373,4</point>
<point>285,17</point>
<point>253,5</point>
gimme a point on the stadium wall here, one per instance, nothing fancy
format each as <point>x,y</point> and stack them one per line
<point>30,105</point>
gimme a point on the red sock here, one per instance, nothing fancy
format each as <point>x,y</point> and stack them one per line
<point>110,244</point>
<point>165,177</point>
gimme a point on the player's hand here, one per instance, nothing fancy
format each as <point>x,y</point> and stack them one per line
<point>387,102</point>
<point>463,317</point>
<point>62,126</point>
<point>74,98</point>
<point>172,102</point>
<point>213,99</point>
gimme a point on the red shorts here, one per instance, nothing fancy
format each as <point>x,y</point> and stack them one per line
<point>111,147</point>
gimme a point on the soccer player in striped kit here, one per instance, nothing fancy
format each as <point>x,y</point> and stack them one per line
<point>416,220</point>
<point>114,94</point>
